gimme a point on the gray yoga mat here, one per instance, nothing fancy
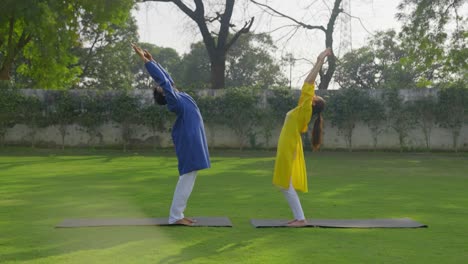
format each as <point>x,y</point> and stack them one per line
<point>342,223</point>
<point>201,221</point>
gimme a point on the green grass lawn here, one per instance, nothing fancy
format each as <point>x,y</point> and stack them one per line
<point>38,189</point>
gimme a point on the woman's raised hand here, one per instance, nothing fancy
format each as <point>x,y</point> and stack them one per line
<point>327,52</point>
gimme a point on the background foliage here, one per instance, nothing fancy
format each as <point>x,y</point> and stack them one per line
<point>249,112</point>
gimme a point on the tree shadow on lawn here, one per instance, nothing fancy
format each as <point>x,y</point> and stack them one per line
<point>44,202</point>
<point>214,245</point>
<point>47,242</point>
<point>280,245</point>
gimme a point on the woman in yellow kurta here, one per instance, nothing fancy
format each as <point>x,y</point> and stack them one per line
<point>290,171</point>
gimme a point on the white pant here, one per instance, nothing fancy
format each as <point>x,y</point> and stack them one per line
<point>181,194</point>
<point>294,203</point>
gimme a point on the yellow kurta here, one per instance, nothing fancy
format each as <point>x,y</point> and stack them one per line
<point>290,155</point>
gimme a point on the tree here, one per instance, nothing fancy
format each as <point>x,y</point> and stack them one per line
<point>155,117</point>
<point>379,64</point>
<point>374,116</point>
<point>92,114</point>
<point>433,34</point>
<point>9,103</point>
<point>389,55</point>
<point>327,74</point>
<point>32,112</point>
<point>280,101</point>
<point>64,113</point>
<point>358,68</point>
<point>124,111</point>
<point>456,66</point>
<point>194,69</point>
<point>239,107</point>
<point>211,110</point>
<point>425,110</point>
<point>399,115</point>
<point>217,44</point>
<point>43,32</point>
<point>105,61</point>
<point>453,109</point>
<point>250,63</point>
<point>345,109</point>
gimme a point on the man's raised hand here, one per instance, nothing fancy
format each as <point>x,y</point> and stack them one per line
<point>140,52</point>
<point>148,55</point>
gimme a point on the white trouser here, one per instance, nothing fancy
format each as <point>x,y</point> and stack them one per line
<point>293,200</point>
<point>181,194</point>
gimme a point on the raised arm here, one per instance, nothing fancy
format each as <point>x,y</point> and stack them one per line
<point>150,57</point>
<point>308,89</point>
<point>315,70</point>
<point>159,76</point>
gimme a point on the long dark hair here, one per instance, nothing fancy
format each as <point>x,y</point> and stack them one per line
<point>317,109</point>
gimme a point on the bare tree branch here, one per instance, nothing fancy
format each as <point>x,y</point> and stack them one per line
<point>224,27</point>
<point>325,74</point>
<point>245,29</point>
<point>288,17</point>
<point>88,57</point>
<point>210,20</point>
<point>325,3</point>
<point>189,12</point>
<point>360,21</point>
<point>311,4</point>
<point>290,33</point>
<point>217,44</point>
<point>279,28</point>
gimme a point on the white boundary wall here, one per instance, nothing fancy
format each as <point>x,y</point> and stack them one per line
<point>109,133</point>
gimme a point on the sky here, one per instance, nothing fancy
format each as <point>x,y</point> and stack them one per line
<point>163,24</point>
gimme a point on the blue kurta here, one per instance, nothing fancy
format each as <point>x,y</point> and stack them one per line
<point>188,132</point>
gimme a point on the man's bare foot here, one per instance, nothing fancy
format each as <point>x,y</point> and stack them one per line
<point>191,220</point>
<point>292,221</point>
<point>297,223</point>
<point>183,221</point>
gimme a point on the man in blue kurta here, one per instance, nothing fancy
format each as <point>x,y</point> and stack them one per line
<point>188,135</point>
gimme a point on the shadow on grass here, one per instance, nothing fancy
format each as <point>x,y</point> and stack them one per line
<point>341,186</point>
<point>207,248</point>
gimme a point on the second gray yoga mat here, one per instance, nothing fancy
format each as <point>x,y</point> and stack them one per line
<point>201,221</point>
<point>343,223</point>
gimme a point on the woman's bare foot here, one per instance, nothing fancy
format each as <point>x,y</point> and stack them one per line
<point>183,221</point>
<point>191,220</point>
<point>297,223</point>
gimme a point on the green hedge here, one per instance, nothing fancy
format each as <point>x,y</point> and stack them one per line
<point>247,111</point>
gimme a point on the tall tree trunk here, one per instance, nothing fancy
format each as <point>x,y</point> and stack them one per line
<point>455,134</point>
<point>5,73</point>
<point>12,49</point>
<point>218,67</point>
<point>326,77</point>
<point>2,138</point>
<point>217,44</point>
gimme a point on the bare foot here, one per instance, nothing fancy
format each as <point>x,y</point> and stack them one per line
<point>298,223</point>
<point>191,220</point>
<point>292,221</point>
<point>183,221</point>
